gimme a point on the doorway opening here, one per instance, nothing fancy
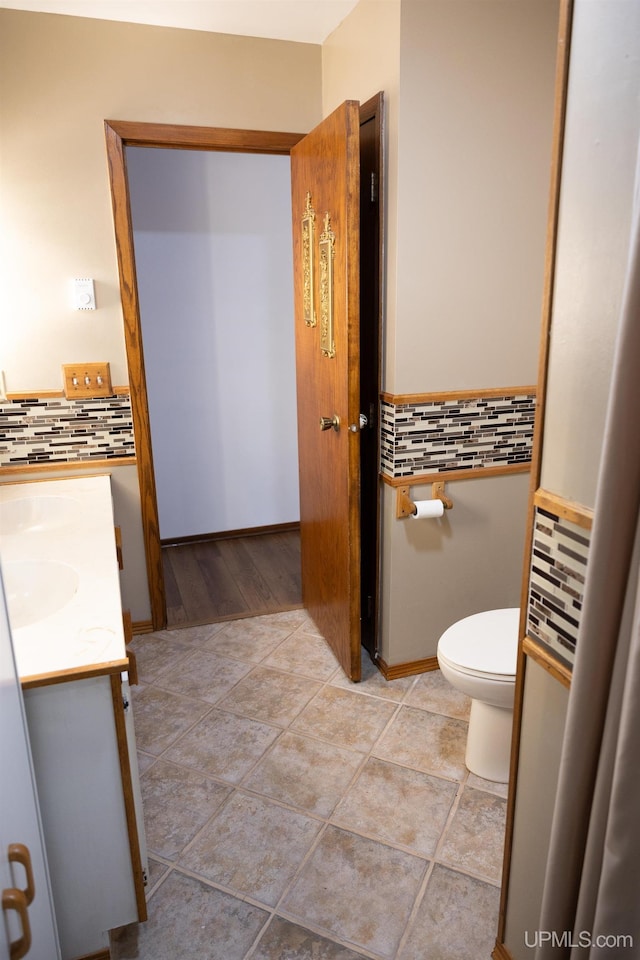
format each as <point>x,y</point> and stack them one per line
<point>212,243</point>
<point>123,134</point>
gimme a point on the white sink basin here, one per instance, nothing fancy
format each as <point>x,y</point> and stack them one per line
<point>32,514</point>
<point>36,589</point>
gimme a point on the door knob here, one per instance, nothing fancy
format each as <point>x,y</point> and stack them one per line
<point>327,423</point>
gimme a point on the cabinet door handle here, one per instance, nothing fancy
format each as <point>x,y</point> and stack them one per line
<point>13,899</point>
<point>18,853</point>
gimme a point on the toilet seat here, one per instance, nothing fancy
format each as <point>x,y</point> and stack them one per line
<point>484,644</point>
<point>508,678</point>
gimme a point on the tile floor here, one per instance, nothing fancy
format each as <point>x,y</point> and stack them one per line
<point>293,815</point>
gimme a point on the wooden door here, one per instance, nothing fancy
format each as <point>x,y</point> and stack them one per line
<point>325,179</point>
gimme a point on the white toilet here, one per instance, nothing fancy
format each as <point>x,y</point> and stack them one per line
<point>477,656</point>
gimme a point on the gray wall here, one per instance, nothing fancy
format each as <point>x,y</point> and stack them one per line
<point>600,146</point>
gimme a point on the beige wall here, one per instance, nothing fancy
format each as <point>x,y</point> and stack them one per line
<point>61,77</point>
<point>469,93</point>
<point>476,95</point>
<point>362,58</point>
<point>437,571</point>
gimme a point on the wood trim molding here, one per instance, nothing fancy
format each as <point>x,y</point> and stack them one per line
<point>75,465</point>
<point>500,952</point>
<point>133,341</point>
<point>452,395</point>
<point>120,134</point>
<point>548,662</point>
<point>127,790</point>
<point>44,394</point>
<point>100,955</point>
<point>567,509</point>
<point>141,626</point>
<point>292,527</point>
<point>229,139</point>
<point>409,669</point>
<point>111,668</point>
<point>474,473</point>
<point>40,394</point>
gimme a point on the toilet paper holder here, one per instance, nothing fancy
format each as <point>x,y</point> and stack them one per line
<point>405,506</point>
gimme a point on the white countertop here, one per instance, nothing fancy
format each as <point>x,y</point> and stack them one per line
<point>62,582</point>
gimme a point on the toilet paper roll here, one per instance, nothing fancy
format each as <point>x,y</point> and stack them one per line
<point>428,508</point>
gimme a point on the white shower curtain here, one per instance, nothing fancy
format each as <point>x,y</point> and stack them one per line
<point>591,899</point>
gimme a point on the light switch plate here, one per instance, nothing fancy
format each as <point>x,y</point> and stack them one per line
<point>87,380</point>
<point>84,294</point>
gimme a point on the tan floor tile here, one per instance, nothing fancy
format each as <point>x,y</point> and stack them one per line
<point>284,940</point>
<point>144,761</point>
<point>399,805</point>
<point>304,653</point>
<point>271,695</point>
<point>357,890</point>
<point>186,919</point>
<point>474,841</point>
<point>432,692</point>
<point>252,847</point>
<point>305,773</point>
<point>457,919</point>
<point>426,741</point>
<point>309,626</point>
<point>156,871</point>
<point>489,786</point>
<point>345,718</point>
<point>204,675</point>
<point>374,683</point>
<point>358,886</point>
<point>177,803</point>
<point>160,717</point>
<point>193,636</point>
<point>252,639</point>
<point>295,618</point>
<point>223,745</point>
<point>157,652</point>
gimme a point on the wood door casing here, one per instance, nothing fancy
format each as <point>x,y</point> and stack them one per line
<point>326,165</point>
<point>120,134</point>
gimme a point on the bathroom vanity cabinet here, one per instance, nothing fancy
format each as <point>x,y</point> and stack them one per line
<point>75,673</point>
<point>82,757</point>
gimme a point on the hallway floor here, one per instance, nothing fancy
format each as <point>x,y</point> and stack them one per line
<point>292,815</point>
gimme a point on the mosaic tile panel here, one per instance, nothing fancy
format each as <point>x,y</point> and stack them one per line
<point>465,434</point>
<point>556,585</point>
<point>57,430</point>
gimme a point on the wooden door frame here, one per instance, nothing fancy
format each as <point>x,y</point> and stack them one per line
<point>120,134</point>
<point>125,133</point>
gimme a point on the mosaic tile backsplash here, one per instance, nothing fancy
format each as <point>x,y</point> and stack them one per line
<point>57,430</point>
<point>444,435</point>
<point>556,587</point>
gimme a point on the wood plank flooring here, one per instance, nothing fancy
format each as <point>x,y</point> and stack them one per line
<point>211,580</point>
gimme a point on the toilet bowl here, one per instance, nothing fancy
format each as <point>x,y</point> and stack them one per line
<point>477,656</point>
